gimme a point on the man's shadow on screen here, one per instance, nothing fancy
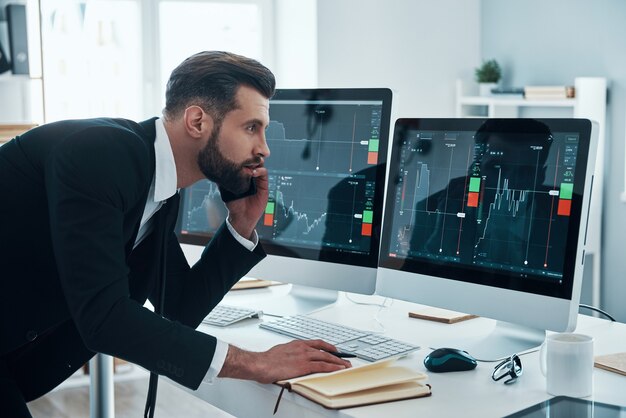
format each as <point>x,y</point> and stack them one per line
<point>505,208</point>
<point>340,225</point>
<point>314,116</point>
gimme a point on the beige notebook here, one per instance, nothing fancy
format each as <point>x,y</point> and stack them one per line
<point>363,385</point>
<point>247,283</point>
<point>612,362</point>
<point>441,315</point>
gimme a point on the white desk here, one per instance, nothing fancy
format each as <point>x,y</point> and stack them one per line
<point>467,394</point>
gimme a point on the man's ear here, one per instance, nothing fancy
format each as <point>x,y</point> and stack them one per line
<point>198,124</point>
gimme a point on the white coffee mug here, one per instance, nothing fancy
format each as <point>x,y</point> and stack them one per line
<point>567,362</point>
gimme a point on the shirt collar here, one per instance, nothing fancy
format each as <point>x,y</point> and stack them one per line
<point>165,171</point>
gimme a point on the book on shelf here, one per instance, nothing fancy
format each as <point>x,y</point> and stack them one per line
<point>548,92</point>
<point>378,382</point>
<point>508,91</point>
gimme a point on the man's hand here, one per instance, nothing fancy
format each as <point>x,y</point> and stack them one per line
<point>244,213</point>
<point>284,361</point>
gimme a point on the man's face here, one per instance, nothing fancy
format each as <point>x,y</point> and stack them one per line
<point>238,147</point>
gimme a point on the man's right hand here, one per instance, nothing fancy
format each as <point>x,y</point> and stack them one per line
<point>284,361</point>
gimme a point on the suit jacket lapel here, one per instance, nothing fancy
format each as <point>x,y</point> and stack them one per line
<point>148,135</point>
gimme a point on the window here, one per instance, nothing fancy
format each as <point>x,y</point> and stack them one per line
<point>235,27</point>
<point>91,64</point>
<point>113,57</point>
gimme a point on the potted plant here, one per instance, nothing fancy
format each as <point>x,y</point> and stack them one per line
<point>487,76</point>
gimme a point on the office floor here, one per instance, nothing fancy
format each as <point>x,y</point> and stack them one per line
<point>130,399</point>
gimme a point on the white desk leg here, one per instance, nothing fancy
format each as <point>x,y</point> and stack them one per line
<point>101,394</point>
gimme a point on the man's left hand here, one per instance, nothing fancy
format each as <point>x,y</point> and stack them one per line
<point>245,213</point>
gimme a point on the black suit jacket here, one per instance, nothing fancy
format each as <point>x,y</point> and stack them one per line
<point>71,284</point>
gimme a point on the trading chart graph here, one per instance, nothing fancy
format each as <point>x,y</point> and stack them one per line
<point>312,210</point>
<point>322,177</point>
<point>469,201</point>
<point>205,211</point>
<point>320,137</point>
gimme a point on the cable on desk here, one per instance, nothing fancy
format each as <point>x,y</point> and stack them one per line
<point>382,305</point>
<point>534,350</point>
<point>520,354</point>
<point>380,308</point>
<point>593,308</point>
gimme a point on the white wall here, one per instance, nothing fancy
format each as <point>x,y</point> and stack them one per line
<point>415,47</point>
<point>588,40</point>
<point>419,47</point>
<point>295,43</point>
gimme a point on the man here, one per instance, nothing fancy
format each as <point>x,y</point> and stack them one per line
<point>87,236</point>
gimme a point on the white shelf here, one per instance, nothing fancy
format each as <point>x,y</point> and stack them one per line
<point>25,105</point>
<point>9,77</point>
<point>513,101</point>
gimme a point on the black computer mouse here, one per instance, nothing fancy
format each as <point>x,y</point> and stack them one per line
<point>449,360</point>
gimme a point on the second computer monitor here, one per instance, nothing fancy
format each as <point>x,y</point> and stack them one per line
<point>322,223</point>
<point>489,217</point>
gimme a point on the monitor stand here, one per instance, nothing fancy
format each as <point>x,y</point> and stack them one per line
<point>506,339</point>
<point>300,300</point>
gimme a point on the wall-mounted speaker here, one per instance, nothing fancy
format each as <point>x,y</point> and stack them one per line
<point>18,38</point>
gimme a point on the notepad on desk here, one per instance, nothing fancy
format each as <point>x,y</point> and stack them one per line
<point>440,315</point>
<point>615,363</point>
<point>250,283</point>
<point>373,383</point>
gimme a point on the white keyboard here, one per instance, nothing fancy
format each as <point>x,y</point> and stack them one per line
<point>365,345</point>
<point>223,315</point>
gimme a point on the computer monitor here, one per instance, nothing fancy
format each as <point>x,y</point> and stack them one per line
<point>488,217</point>
<point>321,227</point>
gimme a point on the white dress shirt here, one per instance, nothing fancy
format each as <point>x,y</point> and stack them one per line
<point>162,188</point>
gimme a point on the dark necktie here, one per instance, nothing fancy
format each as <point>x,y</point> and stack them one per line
<point>162,228</point>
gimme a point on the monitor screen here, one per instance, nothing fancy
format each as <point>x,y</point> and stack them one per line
<point>326,181</point>
<point>488,212</point>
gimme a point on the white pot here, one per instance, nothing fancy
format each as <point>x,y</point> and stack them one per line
<point>484,89</point>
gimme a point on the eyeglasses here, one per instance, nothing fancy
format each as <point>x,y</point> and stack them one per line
<point>511,366</point>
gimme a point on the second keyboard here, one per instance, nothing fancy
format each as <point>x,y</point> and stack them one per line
<point>224,315</point>
<point>365,345</point>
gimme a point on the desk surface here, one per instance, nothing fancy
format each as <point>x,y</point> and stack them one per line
<point>468,394</point>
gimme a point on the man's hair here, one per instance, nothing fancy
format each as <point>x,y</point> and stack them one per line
<point>211,79</point>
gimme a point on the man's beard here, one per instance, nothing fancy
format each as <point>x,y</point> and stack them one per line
<point>219,169</point>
